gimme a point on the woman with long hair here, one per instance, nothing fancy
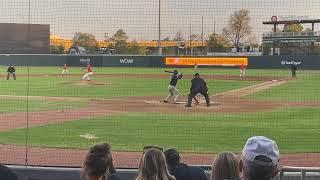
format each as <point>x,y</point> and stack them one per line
<point>153,166</point>
<point>98,164</point>
<point>225,167</point>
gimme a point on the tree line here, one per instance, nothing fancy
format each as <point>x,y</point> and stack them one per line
<point>237,33</point>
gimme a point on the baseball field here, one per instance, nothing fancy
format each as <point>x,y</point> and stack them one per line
<point>124,107</point>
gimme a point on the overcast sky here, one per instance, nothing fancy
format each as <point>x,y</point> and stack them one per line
<point>139,18</point>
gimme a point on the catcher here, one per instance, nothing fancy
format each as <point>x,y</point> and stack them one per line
<point>11,72</point>
<point>173,91</point>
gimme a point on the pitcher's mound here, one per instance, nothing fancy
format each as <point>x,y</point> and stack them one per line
<point>84,83</point>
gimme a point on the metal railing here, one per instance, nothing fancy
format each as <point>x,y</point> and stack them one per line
<point>291,34</point>
<point>52,173</point>
<point>304,172</point>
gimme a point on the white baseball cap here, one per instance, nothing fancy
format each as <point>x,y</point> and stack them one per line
<point>261,146</point>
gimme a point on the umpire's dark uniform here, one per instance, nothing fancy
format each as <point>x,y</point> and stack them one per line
<point>198,85</point>
<point>11,71</point>
<point>293,70</point>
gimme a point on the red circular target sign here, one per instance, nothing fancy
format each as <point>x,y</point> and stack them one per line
<point>274,18</point>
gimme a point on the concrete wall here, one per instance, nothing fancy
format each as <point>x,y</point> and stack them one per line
<point>255,62</point>
<point>51,173</point>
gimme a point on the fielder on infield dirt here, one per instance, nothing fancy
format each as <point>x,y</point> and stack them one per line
<point>173,91</point>
<point>65,69</point>
<point>88,75</point>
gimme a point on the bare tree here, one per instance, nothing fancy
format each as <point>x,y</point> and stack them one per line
<point>166,39</point>
<point>238,27</point>
<point>194,37</point>
<point>178,36</point>
<point>253,40</point>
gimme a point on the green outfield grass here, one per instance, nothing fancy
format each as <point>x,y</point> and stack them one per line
<point>24,105</point>
<point>296,129</point>
<point>201,133</point>
<point>138,70</point>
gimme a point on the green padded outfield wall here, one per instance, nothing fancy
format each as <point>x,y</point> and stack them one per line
<point>255,62</point>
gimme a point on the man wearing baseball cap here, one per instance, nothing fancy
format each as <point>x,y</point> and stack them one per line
<point>260,158</point>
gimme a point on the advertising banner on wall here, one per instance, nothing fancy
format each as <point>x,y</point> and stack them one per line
<point>206,61</point>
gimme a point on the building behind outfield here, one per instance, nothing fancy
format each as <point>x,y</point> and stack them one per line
<point>24,38</point>
<point>291,43</point>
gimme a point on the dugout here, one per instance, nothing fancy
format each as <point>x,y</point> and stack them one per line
<point>291,43</point>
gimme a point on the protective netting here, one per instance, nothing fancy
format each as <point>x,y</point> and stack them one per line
<point>51,117</point>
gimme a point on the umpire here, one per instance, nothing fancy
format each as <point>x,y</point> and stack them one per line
<point>11,71</point>
<point>198,85</point>
<point>293,70</point>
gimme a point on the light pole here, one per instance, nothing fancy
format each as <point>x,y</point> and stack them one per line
<point>190,40</point>
<point>159,30</point>
<point>202,44</point>
<point>28,88</point>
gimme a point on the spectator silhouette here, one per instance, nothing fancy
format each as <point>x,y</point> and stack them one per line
<point>260,158</point>
<point>7,174</point>
<point>225,166</point>
<point>180,170</point>
<point>153,166</point>
<point>98,164</point>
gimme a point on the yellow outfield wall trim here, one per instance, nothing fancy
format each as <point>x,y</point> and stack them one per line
<point>208,61</point>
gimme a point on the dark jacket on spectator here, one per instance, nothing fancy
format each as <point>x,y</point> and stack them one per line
<point>7,174</point>
<point>114,176</point>
<point>185,172</point>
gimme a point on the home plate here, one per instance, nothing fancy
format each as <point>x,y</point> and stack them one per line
<point>181,102</point>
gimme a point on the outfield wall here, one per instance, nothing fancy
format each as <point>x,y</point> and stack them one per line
<point>255,62</point>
